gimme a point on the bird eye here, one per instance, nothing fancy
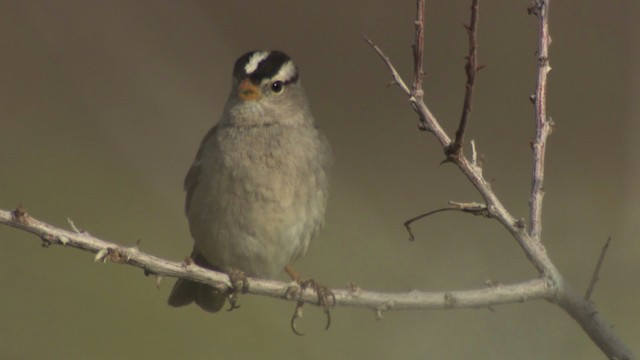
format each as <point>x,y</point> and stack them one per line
<point>277,87</point>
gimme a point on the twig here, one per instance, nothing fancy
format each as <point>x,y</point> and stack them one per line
<point>540,8</point>
<point>74,227</point>
<point>352,296</point>
<point>407,224</point>
<point>397,79</point>
<point>471,68</point>
<point>428,122</point>
<point>596,272</point>
<point>473,208</point>
<point>418,51</point>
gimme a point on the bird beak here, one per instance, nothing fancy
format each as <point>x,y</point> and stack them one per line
<point>248,91</point>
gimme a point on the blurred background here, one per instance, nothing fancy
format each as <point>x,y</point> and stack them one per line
<point>103,106</point>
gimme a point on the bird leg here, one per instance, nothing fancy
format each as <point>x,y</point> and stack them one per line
<point>323,292</point>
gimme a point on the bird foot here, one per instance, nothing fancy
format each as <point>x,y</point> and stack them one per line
<point>326,299</point>
<point>239,284</point>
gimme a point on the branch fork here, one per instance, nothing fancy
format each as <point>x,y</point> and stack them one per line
<point>580,309</point>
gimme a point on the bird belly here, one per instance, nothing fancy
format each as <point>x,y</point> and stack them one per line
<point>261,207</point>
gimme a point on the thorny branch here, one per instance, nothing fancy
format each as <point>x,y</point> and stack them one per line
<point>352,296</point>
<point>580,309</point>
<point>540,8</point>
<point>397,79</point>
<point>418,51</point>
<point>471,68</point>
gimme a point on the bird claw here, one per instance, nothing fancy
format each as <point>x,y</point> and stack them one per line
<point>297,313</point>
<point>233,298</point>
<point>323,292</point>
<point>239,284</point>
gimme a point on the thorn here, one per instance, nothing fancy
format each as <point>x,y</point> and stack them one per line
<point>73,226</point>
<point>445,161</point>
<point>551,122</point>
<point>101,256</point>
<point>534,8</point>
<point>63,240</point>
<point>596,272</point>
<point>158,280</point>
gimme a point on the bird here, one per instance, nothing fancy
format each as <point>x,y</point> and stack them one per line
<point>257,190</point>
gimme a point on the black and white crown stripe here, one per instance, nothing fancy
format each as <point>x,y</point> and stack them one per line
<point>266,65</point>
<point>254,60</point>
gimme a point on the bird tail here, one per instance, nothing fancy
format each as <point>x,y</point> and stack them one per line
<point>185,292</point>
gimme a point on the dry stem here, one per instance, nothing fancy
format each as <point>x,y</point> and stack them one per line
<point>581,310</point>
<point>352,296</point>
<point>471,68</point>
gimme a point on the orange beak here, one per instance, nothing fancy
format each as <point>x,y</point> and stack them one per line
<point>248,91</point>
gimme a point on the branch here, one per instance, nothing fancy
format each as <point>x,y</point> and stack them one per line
<point>352,296</point>
<point>418,52</point>
<point>578,308</point>
<point>428,122</point>
<point>540,8</point>
<point>397,79</point>
<point>471,68</point>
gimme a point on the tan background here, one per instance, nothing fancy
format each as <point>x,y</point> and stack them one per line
<point>103,104</point>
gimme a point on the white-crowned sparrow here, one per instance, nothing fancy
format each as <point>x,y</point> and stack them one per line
<point>257,189</point>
